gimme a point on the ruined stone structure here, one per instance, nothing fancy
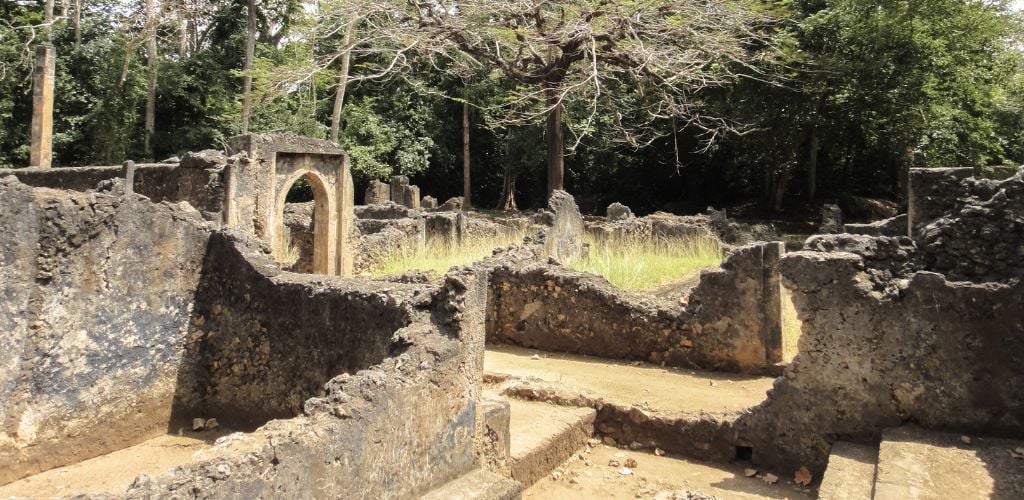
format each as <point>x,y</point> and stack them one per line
<point>148,300</point>
<point>41,147</point>
<point>257,187</point>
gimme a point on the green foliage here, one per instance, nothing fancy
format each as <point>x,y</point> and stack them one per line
<point>883,84</point>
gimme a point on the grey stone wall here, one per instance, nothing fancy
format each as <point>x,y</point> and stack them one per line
<point>393,430</point>
<point>263,341</point>
<point>731,323</point>
<point>99,291</point>
<point>200,183</point>
<point>944,355</point>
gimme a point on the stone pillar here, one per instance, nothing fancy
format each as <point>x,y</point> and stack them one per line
<point>128,173</point>
<point>771,289</point>
<point>930,193</point>
<point>412,197</point>
<point>831,219</point>
<point>377,193</point>
<point>399,183</point>
<point>41,154</point>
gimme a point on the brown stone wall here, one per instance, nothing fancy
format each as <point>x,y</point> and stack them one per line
<point>732,322</point>
<point>392,430</point>
<point>99,291</point>
<point>944,355</point>
<point>262,341</point>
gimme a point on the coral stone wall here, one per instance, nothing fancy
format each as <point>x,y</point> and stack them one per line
<point>98,292</point>
<point>941,354</point>
<point>732,322</point>
<point>263,341</point>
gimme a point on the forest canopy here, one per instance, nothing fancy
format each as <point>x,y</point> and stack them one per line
<point>658,104</point>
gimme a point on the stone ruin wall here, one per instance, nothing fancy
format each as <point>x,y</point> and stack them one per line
<point>732,321</point>
<point>887,340</point>
<point>129,317</point>
<point>99,289</point>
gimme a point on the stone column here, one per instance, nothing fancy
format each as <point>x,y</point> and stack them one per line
<point>128,173</point>
<point>399,184</point>
<point>41,153</point>
<point>930,193</point>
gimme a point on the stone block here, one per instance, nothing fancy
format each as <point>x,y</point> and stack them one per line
<point>376,193</point>
<point>618,211</point>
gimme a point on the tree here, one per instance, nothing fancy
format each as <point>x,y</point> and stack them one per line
<point>250,48</point>
<point>152,70</point>
<point>583,49</point>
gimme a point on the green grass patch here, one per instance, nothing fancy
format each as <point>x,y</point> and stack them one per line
<point>437,257</point>
<point>639,264</point>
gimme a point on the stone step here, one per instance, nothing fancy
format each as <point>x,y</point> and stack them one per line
<point>685,412</point>
<point>850,473</point>
<point>479,484</point>
<point>914,464</point>
<point>544,435</point>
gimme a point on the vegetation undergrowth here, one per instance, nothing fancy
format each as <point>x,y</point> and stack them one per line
<point>438,256</point>
<point>646,263</point>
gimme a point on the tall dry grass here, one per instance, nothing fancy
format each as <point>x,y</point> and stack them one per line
<point>639,264</point>
<point>438,256</point>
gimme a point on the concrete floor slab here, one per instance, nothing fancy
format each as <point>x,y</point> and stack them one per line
<point>914,464</point>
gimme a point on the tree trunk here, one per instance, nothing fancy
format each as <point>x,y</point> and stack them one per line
<point>555,140</point>
<point>508,192</point>
<point>151,67</point>
<point>779,189</point>
<point>250,48</point>
<point>465,151</point>
<point>812,164</point>
<point>182,30</point>
<point>48,20</point>
<point>76,23</point>
<point>339,96</point>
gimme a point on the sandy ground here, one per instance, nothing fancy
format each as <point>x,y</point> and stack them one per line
<point>669,391</point>
<point>115,471</point>
<point>653,475</point>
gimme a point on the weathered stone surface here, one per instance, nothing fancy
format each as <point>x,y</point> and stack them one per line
<point>386,210</point>
<point>98,292</point>
<point>980,236</point>
<point>428,203</point>
<point>930,192</point>
<point>377,193</point>
<point>453,204</point>
<point>207,158</point>
<point>618,211</point>
<point>411,197</point>
<point>563,240</point>
<point>942,354</point>
<point>378,239</point>
<point>831,219</point>
<point>399,184</point>
<point>893,226</point>
<point>448,227</point>
<point>732,322</point>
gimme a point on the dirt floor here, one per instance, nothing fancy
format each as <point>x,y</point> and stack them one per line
<point>588,475</point>
<point>668,391</point>
<point>115,471</point>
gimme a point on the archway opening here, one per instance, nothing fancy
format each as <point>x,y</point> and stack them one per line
<point>302,235</point>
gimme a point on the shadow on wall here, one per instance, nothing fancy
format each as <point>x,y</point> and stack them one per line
<point>261,343</point>
<point>945,355</point>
